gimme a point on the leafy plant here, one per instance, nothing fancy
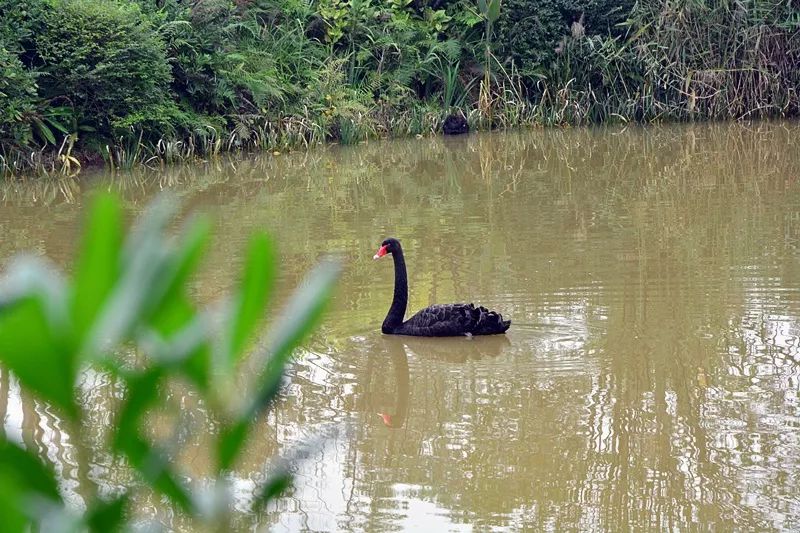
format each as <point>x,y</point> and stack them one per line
<point>17,100</point>
<point>127,312</point>
<point>102,58</point>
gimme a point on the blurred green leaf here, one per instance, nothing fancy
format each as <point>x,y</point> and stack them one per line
<point>14,520</point>
<point>152,222</point>
<point>144,457</point>
<point>154,273</point>
<point>175,316</point>
<point>25,483</point>
<point>138,293</point>
<point>273,487</point>
<point>187,350</point>
<point>142,392</point>
<point>231,439</point>
<point>27,276</point>
<point>98,266</point>
<point>257,281</point>
<point>27,471</point>
<point>142,282</point>
<point>297,320</point>
<point>30,349</point>
<point>32,338</point>
<point>107,516</point>
<point>299,317</point>
<point>154,467</point>
<point>175,310</point>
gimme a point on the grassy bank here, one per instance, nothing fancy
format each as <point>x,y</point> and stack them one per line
<point>156,81</point>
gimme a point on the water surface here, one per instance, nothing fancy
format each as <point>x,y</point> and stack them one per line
<point>651,376</point>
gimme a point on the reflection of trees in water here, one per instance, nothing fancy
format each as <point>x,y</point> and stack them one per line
<point>669,250</point>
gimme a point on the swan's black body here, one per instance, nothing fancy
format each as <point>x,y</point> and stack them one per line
<point>447,320</point>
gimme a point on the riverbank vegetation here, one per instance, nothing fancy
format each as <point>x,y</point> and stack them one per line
<point>155,81</point>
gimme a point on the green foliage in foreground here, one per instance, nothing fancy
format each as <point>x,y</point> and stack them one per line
<point>129,296</point>
<point>154,81</point>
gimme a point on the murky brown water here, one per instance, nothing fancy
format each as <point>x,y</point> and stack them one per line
<point>651,377</point>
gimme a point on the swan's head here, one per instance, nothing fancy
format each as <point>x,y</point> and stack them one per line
<point>389,246</point>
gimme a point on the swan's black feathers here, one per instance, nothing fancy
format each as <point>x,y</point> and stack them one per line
<point>448,320</point>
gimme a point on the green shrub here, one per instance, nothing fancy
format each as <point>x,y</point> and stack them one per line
<point>20,20</point>
<point>17,100</point>
<point>227,60</point>
<point>21,122</point>
<point>528,33</point>
<point>166,121</point>
<point>102,58</point>
<point>531,32</point>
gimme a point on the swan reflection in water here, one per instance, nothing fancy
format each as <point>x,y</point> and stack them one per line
<point>453,350</point>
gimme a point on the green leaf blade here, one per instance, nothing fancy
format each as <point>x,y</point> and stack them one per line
<point>152,464</point>
<point>25,483</point>
<point>493,12</point>
<point>36,354</point>
<point>257,281</point>
<point>141,394</point>
<point>275,485</point>
<point>98,265</point>
<point>29,471</point>
<point>174,310</point>
<point>300,316</point>
<point>230,441</point>
<point>107,516</point>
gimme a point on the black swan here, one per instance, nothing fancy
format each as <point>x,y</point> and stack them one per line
<point>447,320</point>
<point>455,125</point>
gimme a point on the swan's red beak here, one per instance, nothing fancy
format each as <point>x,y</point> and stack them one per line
<point>381,252</point>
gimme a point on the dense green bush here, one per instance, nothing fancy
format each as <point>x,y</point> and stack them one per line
<point>20,20</point>
<point>102,59</point>
<point>25,120</point>
<point>532,32</point>
<point>17,100</point>
<point>530,36</point>
<point>393,49</point>
<point>212,64</point>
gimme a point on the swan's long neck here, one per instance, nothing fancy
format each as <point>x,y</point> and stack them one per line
<point>397,311</point>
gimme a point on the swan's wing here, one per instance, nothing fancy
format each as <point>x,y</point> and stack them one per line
<point>442,320</point>
<point>455,319</point>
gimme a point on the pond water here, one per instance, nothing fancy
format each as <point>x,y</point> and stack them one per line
<point>650,378</point>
